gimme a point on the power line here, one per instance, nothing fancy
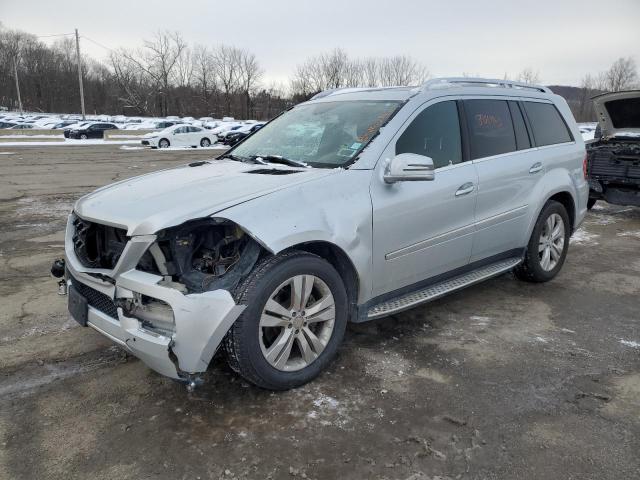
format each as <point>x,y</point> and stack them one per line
<point>97,43</point>
<point>54,35</point>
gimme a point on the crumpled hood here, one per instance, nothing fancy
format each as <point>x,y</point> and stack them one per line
<point>146,204</point>
<point>618,113</point>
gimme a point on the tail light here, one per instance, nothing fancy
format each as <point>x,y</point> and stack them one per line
<point>584,166</point>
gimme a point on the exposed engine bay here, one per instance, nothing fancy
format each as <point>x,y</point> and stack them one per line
<point>614,170</point>
<point>202,255</point>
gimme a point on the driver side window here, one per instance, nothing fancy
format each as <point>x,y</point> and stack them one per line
<point>434,133</point>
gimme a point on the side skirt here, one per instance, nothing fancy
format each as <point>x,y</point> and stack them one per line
<point>439,286</point>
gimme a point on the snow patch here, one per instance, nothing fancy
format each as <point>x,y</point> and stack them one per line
<point>479,320</point>
<point>326,401</point>
<point>635,234</point>
<point>630,343</point>
<point>582,237</point>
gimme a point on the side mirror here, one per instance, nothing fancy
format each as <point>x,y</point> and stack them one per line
<point>409,167</point>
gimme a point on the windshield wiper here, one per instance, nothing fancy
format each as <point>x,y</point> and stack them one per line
<point>237,158</point>
<point>279,159</point>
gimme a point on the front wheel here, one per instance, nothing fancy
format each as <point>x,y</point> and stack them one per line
<point>83,136</point>
<point>163,143</point>
<point>548,245</point>
<point>205,142</point>
<point>294,321</point>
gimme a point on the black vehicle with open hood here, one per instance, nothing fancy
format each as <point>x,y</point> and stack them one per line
<point>614,156</point>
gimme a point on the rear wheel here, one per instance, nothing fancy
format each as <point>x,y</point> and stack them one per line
<point>547,248</point>
<point>205,142</point>
<point>163,143</point>
<point>294,321</point>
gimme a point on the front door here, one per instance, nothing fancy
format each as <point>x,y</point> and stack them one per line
<point>423,229</point>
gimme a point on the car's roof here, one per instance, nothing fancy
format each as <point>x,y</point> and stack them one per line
<point>436,87</point>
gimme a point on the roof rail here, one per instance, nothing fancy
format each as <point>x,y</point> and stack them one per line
<point>331,91</point>
<point>449,82</point>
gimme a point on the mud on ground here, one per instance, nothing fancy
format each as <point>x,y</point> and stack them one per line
<point>502,380</point>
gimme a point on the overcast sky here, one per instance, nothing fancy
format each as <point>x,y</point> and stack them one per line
<point>562,39</point>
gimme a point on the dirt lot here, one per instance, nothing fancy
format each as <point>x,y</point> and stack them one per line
<point>502,380</point>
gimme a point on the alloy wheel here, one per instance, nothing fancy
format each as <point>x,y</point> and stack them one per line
<point>551,243</point>
<point>297,322</point>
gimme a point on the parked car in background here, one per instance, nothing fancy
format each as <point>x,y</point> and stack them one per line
<point>22,126</point>
<point>614,156</point>
<point>76,125</point>
<point>92,130</point>
<point>225,127</point>
<point>407,194</point>
<point>234,136</point>
<point>179,136</point>
<point>7,124</point>
<point>63,124</point>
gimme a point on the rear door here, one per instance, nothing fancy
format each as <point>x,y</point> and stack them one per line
<point>509,167</point>
<point>180,136</point>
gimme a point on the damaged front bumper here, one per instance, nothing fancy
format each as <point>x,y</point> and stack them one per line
<point>200,320</point>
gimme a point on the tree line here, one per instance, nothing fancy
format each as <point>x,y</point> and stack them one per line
<point>167,76</point>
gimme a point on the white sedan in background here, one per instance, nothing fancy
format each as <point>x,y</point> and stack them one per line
<point>179,136</point>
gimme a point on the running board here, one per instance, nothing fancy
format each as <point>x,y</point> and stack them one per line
<point>431,292</point>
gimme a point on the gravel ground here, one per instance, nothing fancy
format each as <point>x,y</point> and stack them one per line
<point>502,380</point>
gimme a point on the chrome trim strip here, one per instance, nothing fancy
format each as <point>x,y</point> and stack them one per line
<point>432,241</point>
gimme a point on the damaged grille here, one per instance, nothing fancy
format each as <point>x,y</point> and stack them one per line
<point>97,245</point>
<point>96,299</point>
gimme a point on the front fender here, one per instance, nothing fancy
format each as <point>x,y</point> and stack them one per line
<point>334,209</point>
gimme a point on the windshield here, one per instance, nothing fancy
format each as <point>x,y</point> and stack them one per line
<point>326,135</point>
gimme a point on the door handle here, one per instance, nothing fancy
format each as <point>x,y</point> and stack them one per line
<point>536,167</point>
<point>465,189</point>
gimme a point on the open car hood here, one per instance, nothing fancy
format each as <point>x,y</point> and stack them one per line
<point>618,113</point>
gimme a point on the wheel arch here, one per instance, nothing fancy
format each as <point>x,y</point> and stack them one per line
<point>339,260</point>
<point>566,199</point>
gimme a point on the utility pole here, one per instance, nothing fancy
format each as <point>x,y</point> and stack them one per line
<point>79,73</point>
<point>15,73</point>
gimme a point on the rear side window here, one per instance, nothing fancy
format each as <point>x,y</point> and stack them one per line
<point>547,124</point>
<point>522,137</point>
<point>434,133</point>
<point>490,128</point>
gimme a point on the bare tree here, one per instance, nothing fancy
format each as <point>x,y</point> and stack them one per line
<point>227,69</point>
<point>158,59</point>
<point>335,69</point>
<point>249,76</point>
<point>204,73</point>
<point>622,75</point>
<point>132,82</point>
<point>528,75</point>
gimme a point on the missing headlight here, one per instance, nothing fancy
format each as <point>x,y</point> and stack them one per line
<point>203,255</point>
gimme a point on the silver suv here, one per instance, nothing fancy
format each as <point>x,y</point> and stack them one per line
<point>352,206</point>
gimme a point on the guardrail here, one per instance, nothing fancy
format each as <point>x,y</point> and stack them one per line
<point>119,135</point>
<point>31,135</point>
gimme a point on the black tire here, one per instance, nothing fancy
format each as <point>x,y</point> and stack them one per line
<point>591,202</point>
<point>164,143</point>
<point>242,343</point>
<point>205,142</point>
<point>530,270</point>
